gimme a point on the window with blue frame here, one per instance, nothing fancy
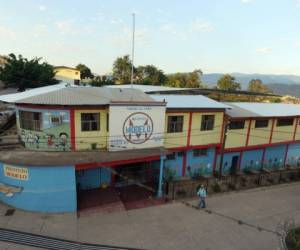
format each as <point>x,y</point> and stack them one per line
<point>200,152</point>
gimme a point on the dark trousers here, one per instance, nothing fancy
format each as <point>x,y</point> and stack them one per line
<point>202,203</point>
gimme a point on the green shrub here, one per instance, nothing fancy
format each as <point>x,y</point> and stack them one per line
<point>216,187</point>
<point>293,239</point>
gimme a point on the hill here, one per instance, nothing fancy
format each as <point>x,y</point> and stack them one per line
<point>211,79</point>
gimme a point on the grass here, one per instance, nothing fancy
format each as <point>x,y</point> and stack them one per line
<point>293,239</point>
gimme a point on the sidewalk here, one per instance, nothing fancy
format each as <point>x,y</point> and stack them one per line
<point>175,225</point>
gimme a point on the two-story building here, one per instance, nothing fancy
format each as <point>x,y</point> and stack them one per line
<point>261,135</point>
<point>87,146</point>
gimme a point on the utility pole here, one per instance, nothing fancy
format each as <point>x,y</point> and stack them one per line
<point>132,51</point>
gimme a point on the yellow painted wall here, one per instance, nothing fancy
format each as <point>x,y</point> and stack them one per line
<point>67,73</point>
<point>283,133</point>
<point>237,137</point>
<point>199,137</point>
<point>259,136</point>
<point>173,140</point>
<point>84,139</point>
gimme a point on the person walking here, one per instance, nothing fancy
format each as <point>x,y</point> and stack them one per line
<point>202,194</point>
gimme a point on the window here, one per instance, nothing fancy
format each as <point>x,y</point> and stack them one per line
<point>56,120</point>
<point>171,156</point>
<point>261,123</point>
<point>285,122</point>
<point>175,124</point>
<point>207,122</point>
<point>90,121</point>
<point>237,125</point>
<point>199,152</point>
<point>180,154</point>
<point>30,120</point>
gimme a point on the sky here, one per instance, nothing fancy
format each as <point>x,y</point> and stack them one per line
<point>224,36</point>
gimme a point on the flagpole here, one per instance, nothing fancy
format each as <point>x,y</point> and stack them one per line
<point>132,52</point>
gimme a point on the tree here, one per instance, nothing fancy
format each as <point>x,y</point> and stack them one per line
<point>22,73</point>
<point>100,81</point>
<point>85,72</point>
<point>150,75</point>
<point>227,82</point>
<point>256,85</point>
<point>185,80</point>
<point>122,70</point>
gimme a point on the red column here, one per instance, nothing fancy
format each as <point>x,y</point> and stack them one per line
<point>285,155</point>
<point>295,130</point>
<point>263,157</point>
<point>272,128</point>
<point>215,161</point>
<point>184,164</point>
<point>248,133</point>
<point>72,129</point>
<point>189,129</point>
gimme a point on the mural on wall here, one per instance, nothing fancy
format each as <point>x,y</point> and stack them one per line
<point>54,133</point>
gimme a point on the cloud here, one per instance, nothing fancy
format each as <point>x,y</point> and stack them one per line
<point>40,30</point>
<point>42,8</point>
<point>7,33</point>
<point>170,29</point>
<point>124,37</point>
<point>66,27</point>
<point>264,50</point>
<point>200,26</point>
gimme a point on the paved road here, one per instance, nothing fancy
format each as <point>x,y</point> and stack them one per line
<point>176,226</point>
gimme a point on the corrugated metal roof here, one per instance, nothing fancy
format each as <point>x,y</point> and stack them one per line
<point>189,101</point>
<point>254,109</point>
<point>87,96</point>
<point>144,88</point>
<point>32,92</point>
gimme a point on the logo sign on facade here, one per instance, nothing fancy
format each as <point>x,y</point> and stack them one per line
<point>16,172</point>
<point>138,128</point>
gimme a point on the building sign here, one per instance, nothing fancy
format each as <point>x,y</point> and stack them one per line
<point>138,128</point>
<point>16,172</point>
<point>135,127</point>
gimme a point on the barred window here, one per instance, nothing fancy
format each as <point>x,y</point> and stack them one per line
<point>285,122</point>
<point>175,124</point>
<point>207,122</point>
<point>199,152</point>
<point>30,120</point>
<point>237,125</point>
<point>261,123</point>
<point>90,121</point>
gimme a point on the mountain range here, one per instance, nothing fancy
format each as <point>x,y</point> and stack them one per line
<point>280,84</point>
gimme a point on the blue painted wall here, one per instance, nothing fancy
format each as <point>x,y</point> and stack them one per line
<point>274,157</point>
<point>251,159</point>
<point>48,189</point>
<point>93,178</point>
<point>175,165</point>
<point>227,160</point>
<point>200,164</point>
<point>293,156</point>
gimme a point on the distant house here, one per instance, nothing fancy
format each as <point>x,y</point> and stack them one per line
<point>67,74</point>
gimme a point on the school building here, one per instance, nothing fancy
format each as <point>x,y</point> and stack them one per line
<point>86,146</point>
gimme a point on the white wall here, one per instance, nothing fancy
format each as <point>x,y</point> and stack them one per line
<point>133,127</point>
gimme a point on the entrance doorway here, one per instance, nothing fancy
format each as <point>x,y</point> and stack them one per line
<point>234,164</point>
<point>126,187</point>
